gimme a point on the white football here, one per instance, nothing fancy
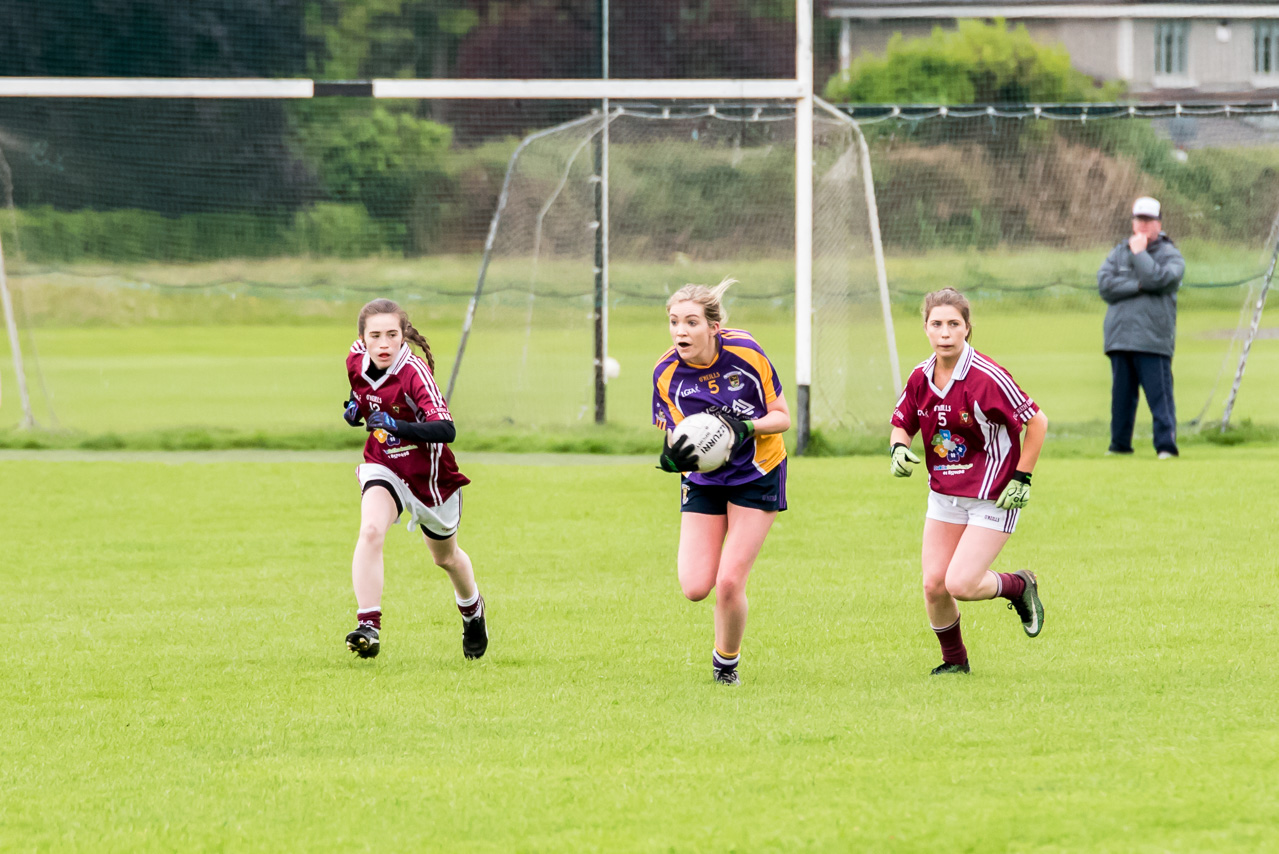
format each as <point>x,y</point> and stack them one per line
<point>711,439</point>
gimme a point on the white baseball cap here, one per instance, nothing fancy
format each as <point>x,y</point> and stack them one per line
<point>1146,206</point>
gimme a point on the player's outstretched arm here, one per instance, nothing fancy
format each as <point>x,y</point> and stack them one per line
<point>903,460</point>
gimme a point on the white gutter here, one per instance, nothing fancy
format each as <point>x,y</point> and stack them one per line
<point>1211,11</point>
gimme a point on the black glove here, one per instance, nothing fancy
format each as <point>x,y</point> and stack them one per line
<point>742,430</point>
<point>351,412</point>
<point>680,457</point>
<point>381,421</point>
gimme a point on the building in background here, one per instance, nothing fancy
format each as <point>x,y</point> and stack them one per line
<point>1174,51</point>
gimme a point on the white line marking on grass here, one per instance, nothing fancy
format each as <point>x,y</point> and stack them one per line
<point>250,455</point>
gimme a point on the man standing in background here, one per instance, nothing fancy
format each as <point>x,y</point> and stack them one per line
<point>1139,280</point>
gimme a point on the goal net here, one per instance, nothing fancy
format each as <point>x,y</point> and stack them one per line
<point>695,194</point>
<point>1019,208</point>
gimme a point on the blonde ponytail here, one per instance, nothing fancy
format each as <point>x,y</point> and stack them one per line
<point>710,299</point>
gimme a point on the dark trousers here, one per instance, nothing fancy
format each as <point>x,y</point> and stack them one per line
<point>1153,375</point>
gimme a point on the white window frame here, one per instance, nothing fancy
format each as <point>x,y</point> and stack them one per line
<point>1172,58</point>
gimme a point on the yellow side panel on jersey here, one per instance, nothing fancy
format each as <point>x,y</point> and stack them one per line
<point>664,389</point>
<point>763,369</point>
<point>770,450</point>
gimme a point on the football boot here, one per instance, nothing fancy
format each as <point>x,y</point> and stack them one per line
<point>364,641</point>
<point>1028,606</point>
<point>475,634</point>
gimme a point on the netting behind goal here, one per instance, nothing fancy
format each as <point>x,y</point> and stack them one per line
<point>695,194</point>
<point>203,261</point>
<point>1019,210</point>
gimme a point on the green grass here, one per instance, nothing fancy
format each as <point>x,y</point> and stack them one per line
<point>175,677</point>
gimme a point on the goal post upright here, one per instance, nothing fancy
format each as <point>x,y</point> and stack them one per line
<point>803,221</point>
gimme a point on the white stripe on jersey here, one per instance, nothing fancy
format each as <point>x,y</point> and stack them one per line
<point>358,346</point>
<point>436,451</point>
<point>998,447</point>
<point>424,371</point>
<point>1002,379</point>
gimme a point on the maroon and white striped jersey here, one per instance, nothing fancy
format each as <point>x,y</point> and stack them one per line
<point>408,392</point>
<point>971,428</point>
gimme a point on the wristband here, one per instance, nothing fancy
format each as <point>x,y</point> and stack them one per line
<point>1022,477</point>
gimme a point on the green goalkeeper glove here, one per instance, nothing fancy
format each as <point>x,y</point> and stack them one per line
<point>1016,494</point>
<point>903,460</point>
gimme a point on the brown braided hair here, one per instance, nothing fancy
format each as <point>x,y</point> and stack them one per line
<point>386,306</point>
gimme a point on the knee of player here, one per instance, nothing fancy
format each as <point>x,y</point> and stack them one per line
<point>449,561</point>
<point>730,585</point>
<point>935,587</point>
<point>961,588</point>
<point>372,534</point>
<point>695,591</point>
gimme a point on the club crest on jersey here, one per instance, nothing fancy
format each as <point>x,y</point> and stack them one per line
<point>964,417</point>
<point>949,446</point>
<point>734,380</point>
<point>661,419</point>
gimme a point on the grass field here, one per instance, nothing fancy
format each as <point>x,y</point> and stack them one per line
<point>175,676</point>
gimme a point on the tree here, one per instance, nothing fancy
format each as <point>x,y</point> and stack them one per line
<point>978,63</point>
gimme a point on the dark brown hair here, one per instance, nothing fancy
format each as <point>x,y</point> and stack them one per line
<point>951,297</point>
<point>386,306</point>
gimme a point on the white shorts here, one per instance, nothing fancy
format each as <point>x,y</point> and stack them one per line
<point>970,511</point>
<point>438,523</point>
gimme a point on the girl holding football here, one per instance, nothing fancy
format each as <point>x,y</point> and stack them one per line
<point>726,513</point>
<point>971,413</point>
<point>408,467</point>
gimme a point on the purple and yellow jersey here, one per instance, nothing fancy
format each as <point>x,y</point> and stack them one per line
<point>742,379</point>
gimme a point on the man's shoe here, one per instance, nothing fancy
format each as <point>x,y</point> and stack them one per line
<point>727,676</point>
<point>1166,455</point>
<point>364,641</point>
<point>947,667</point>
<point>475,634</point>
<point>1028,605</point>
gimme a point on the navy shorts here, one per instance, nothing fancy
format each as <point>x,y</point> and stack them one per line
<point>767,492</point>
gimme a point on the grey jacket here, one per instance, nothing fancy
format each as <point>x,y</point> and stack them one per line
<point>1142,292</point>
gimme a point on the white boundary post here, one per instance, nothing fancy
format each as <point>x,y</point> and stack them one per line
<point>604,211</point>
<point>28,420</point>
<point>803,220</point>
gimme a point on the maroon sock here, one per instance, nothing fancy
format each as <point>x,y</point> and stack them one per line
<point>373,617</point>
<point>1011,586</point>
<point>469,611</point>
<point>952,644</point>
